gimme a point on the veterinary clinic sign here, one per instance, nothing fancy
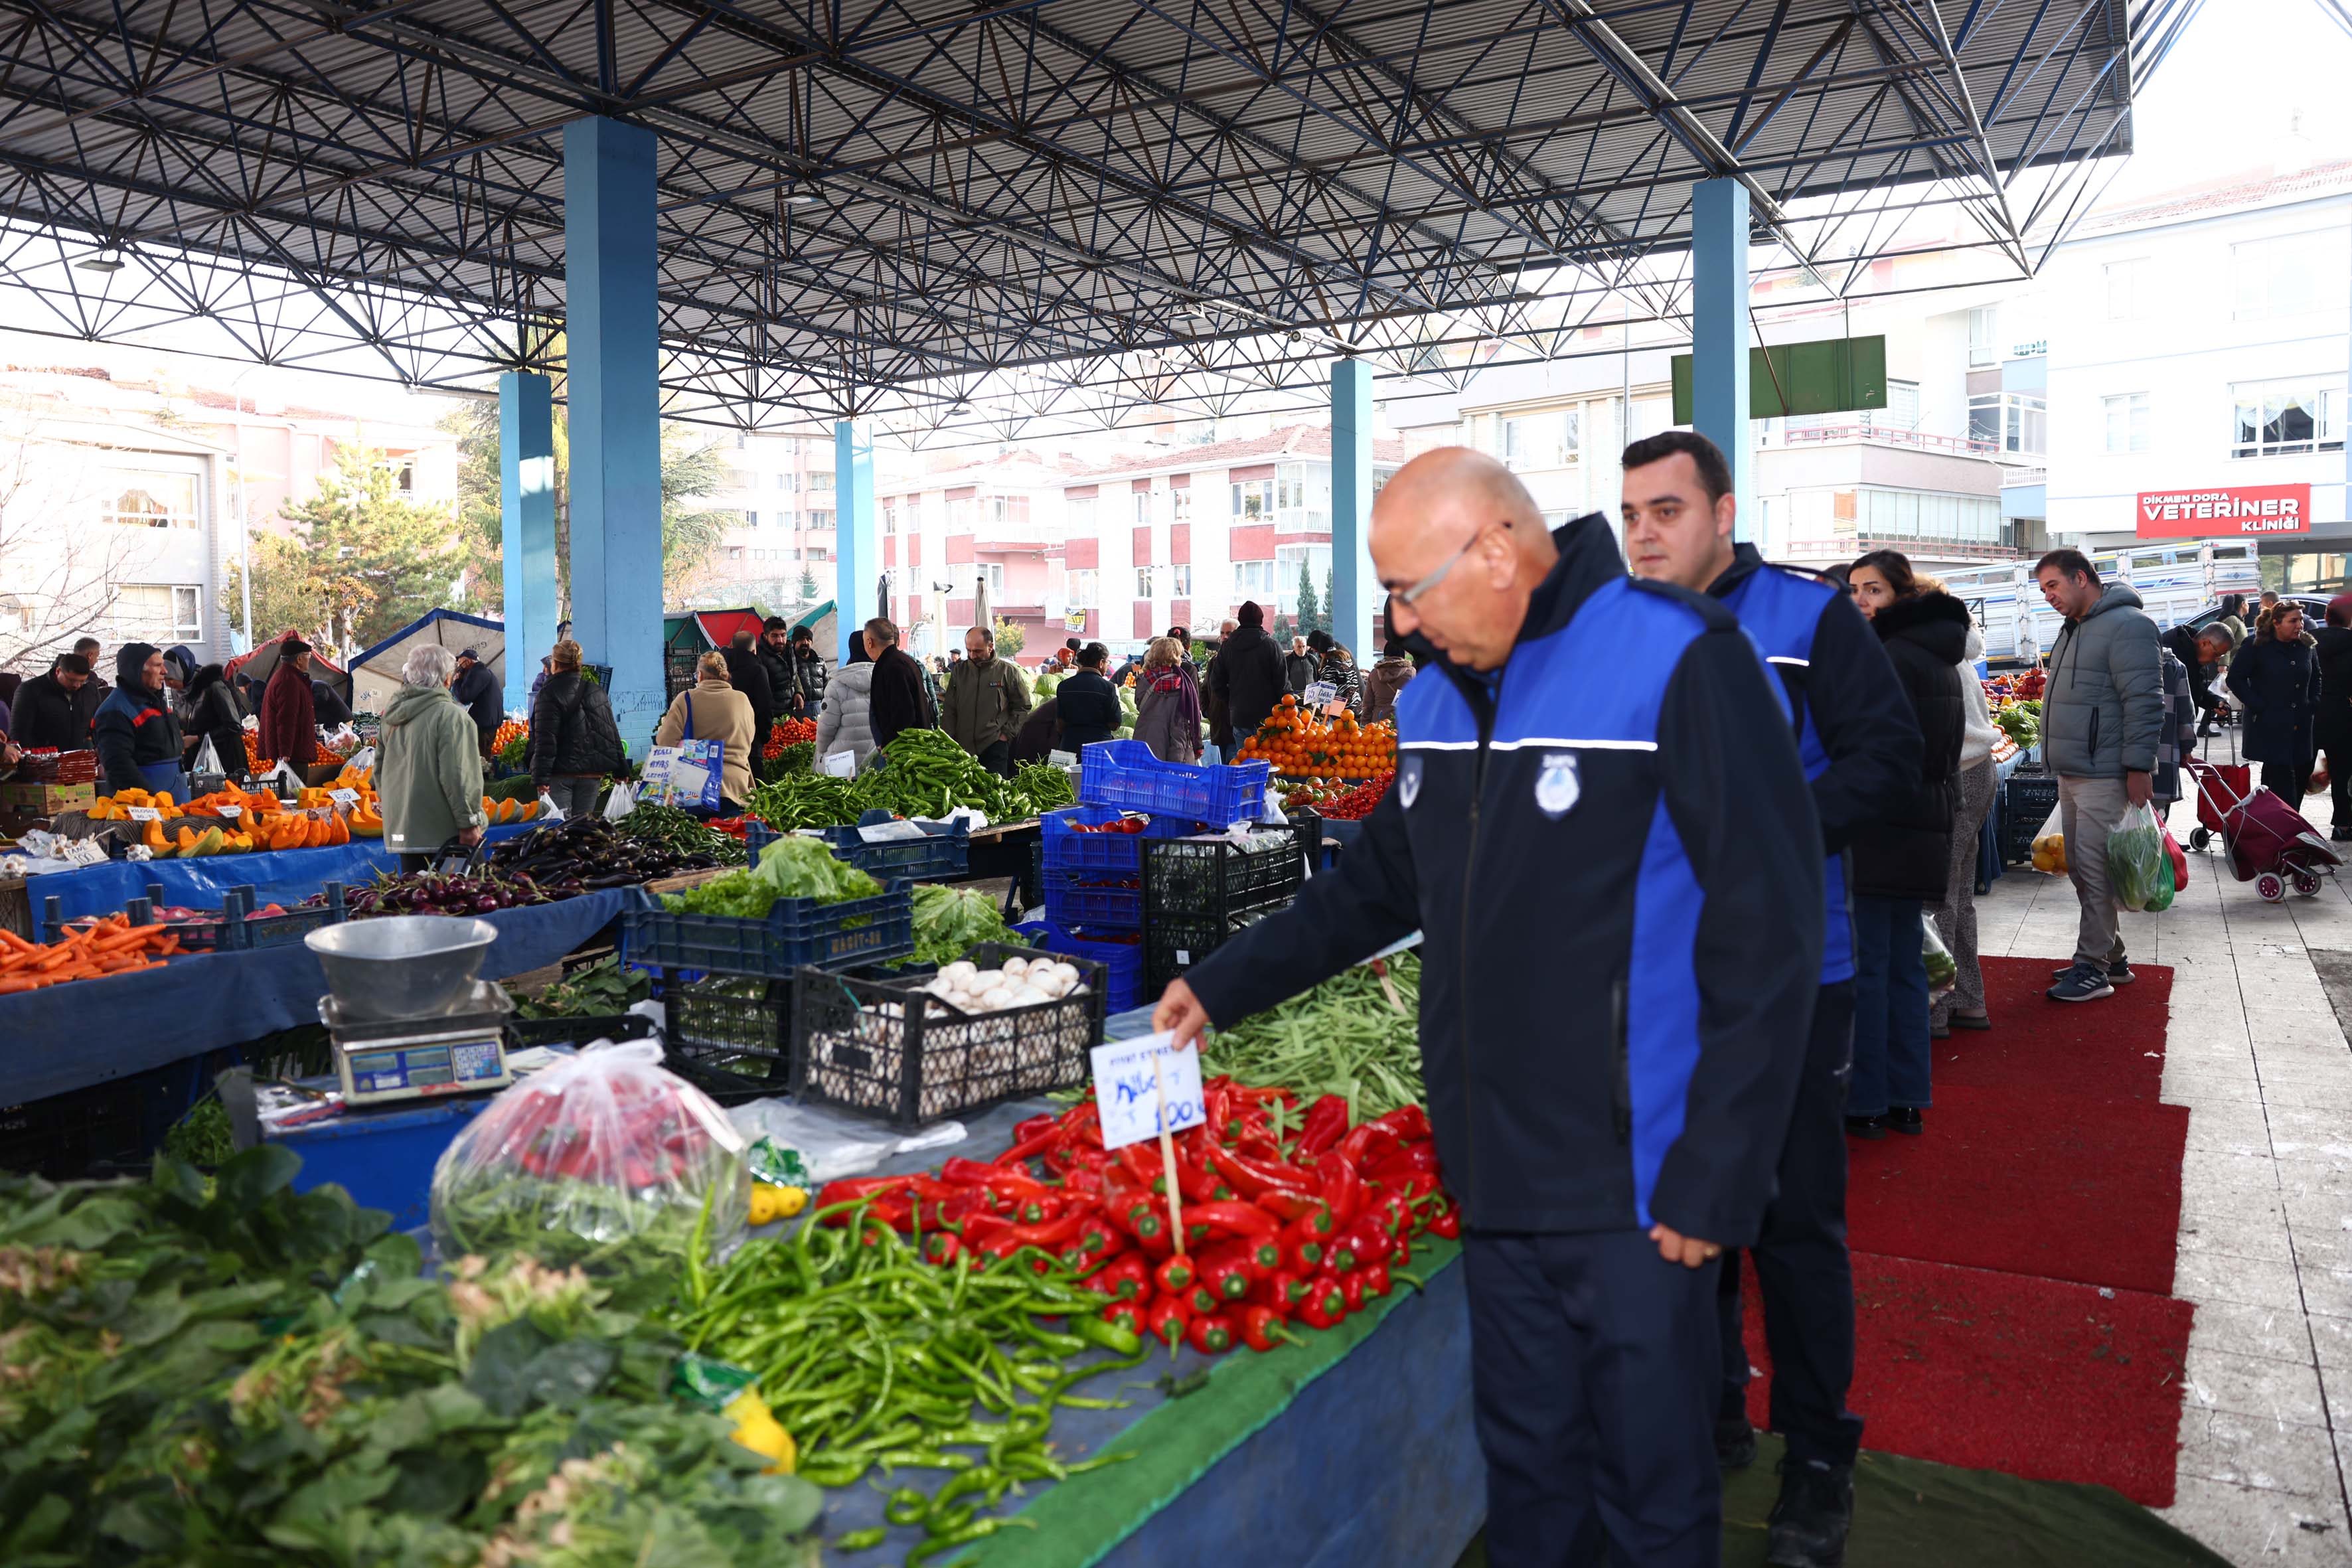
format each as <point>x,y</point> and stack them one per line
<point>2240,510</point>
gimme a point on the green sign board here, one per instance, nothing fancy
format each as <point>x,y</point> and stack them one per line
<point>1833,375</point>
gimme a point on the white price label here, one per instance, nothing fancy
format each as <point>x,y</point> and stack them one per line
<point>231,812</point>
<point>1130,1079</point>
<point>890,832</point>
<point>1063,759</point>
<point>840,765</point>
<point>144,814</point>
<point>344,796</point>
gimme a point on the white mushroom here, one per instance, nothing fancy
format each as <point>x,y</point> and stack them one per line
<point>1017,965</point>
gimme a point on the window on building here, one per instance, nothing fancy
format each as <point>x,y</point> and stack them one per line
<point>820,520</point>
<point>1548,440</point>
<point>1143,581</point>
<point>1303,498</point>
<point>1181,505</point>
<point>1253,579</point>
<point>1253,501</point>
<point>789,482</point>
<point>820,479</point>
<point>2291,275</point>
<point>2131,288</point>
<point>2127,421</point>
<point>1008,512</point>
<point>1984,341</point>
<point>159,613</point>
<point>751,519</point>
<point>993,573</point>
<point>820,554</point>
<point>1288,559</point>
<point>2280,417</point>
<point>1142,500</point>
<point>2009,422</point>
<point>138,497</point>
<point>1081,511</point>
<point>1180,581</point>
<point>788,519</point>
<point>1082,585</point>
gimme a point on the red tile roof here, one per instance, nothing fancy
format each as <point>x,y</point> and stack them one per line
<point>1289,441</point>
<point>2227,195</point>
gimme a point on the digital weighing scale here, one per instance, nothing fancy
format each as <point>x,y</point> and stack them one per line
<point>458,1050</point>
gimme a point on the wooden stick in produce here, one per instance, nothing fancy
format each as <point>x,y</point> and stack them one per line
<point>1168,1156</point>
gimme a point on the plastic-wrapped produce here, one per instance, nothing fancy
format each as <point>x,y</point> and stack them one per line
<point>601,1161</point>
<point>2138,868</point>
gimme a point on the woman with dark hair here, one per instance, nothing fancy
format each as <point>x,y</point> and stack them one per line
<point>2276,678</point>
<point>1902,862</point>
<point>2333,730</point>
<point>1085,702</point>
<point>1384,680</point>
<point>212,715</point>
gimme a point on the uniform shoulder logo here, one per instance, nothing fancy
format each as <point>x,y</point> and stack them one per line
<point>1558,785</point>
<point>1408,781</point>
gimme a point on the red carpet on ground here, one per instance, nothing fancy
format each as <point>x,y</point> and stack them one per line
<point>2048,1172</point>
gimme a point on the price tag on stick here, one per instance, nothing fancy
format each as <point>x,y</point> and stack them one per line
<point>1146,1088</point>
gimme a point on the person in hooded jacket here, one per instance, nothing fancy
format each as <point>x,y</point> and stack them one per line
<point>428,769</point>
<point>1338,666</point>
<point>137,737</point>
<point>575,744</point>
<point>49,710</point>
<point>1902,862</point>
<point>209,713</point>
<point>1384,680</point>
<point>1248,676</point>
<point>2276,676</point>
<point>2332,729</point>
<point>847,722</point>
<point>1085,705</point>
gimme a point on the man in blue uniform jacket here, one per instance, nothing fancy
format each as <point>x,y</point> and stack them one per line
<point>1601,829</point>
<point>1859,743</point>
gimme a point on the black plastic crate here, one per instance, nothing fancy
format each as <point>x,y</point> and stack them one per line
<point>728,1036</point>
<point>796,932</point>
<point>107,1129</point>
<point>2027,801</point>
<point>1218,878</point>
<point>525,1033</point>
<point>912,1067</point>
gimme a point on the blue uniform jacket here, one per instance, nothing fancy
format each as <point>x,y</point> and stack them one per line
<point>1855,732</point>
<point>1612,854</point>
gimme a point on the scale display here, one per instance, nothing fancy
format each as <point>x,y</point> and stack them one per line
<point>417,1069</point>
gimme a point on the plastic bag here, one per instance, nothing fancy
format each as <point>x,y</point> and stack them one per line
<point>360,761</point>
<point>834,1145</point>
<point>2320,782</point>
<point>1943,970</point>
<point>621,800</point>
<point>603,1161</point>
<point>548,810</point>
<point>2165,886</point>
<point>2136,863</point>
<point>2179,861</point>
<point>2050,844</point>
<point>208,757</point>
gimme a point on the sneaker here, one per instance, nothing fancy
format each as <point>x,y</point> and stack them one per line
<point>1735,1443</point>
<point>2340,834</point>
<point>1872,1127</point>
<point>2081,983</point>
<point>1906,1119</point>
<point>2119,972</point>
<point>1809,1522</point>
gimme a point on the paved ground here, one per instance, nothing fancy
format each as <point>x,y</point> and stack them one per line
<point>2258,1053</point>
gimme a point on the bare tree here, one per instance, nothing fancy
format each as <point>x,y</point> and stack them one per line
<point>62,568</point>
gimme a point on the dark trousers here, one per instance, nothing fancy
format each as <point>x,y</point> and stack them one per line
<point>1800,1263</point>
<point>2290,780</point>
<point>997,758</point>
<point>1594,1368</point>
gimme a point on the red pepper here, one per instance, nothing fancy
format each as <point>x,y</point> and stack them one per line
<point>1288,1206</point>
<point>1325,1305</point>
<point>1376,1279</point>
<point>1254,1179</point>
<point>1126,1314</point>
<point>1341,1187</point>
<point>1211,1334</point>
<point>1327,1124</point>
<point>1097,1237</point>
<point>1052,1236</point>
<point>1446,1223</point>
<point>1261,1329</point>
<point>1371,1241</point>
<point>1225,1269</point>
<point>1285,1291</point>
<point>1401,1254</point>
<point>1409,1122</point>
<point>942,1247</point>
<point>1414,1158</point>
<point>1369,1145</point>
<point>1128,1277</point>
<point>1351,1288</point>
<point>1030,1147</point>
<point>1175,1276</point>
<point>1304,1253</point>
<point>1167,1321</point>
<point>1203,1299</point>
<point>1025,1131</point>
<point>1216,1108</point>
<point>1233,1218</point>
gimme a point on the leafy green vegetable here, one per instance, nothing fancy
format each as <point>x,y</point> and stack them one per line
<point>791,868</point>
<point>950,920</point>
<point>598,990</point>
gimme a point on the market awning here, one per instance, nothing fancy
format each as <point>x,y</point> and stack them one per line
<point>375,674</point>
<point>261,662</point>
<point>720,626</point>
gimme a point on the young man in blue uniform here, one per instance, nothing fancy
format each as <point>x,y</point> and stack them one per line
<point>1859,742</point>
<point>1620,908</point>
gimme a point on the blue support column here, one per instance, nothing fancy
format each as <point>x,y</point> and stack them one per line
<point>527,517</point>
<point>1356,595</point>
<point>857,550</point>
<point>1719,332</point>
<point>613,394</point>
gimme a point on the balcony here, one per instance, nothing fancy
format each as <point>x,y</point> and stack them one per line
<point>1912,440</point>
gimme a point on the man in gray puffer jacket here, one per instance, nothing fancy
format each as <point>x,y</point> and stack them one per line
<point>2102,717</point>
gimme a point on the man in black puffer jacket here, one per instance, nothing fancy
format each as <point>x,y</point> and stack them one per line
<point>573,742</point>
<point>1903,860</point>
<point>1248,678</point>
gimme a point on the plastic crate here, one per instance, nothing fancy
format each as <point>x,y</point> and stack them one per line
<point>524,1034</point>
<point>729,1036</point>
<point>944,851</point>
<point>796,932</point>
<point>1126,773</point>
<point>1067,850</point>
<point>1174,944</point>
<point>1073,901</point>
<point>252,933</point>
<point>1122,962</point>
<point>1218,878</point>
<point>2027,801</point>
<point>107,1129</point>
<point>912,1067</point>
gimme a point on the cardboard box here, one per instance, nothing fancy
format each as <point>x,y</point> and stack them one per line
<point>45,799</point>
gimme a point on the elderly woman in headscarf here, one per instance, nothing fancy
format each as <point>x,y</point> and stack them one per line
<point>428,769</point>
<point>1168,708</point>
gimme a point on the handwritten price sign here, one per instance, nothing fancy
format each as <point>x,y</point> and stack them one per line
<point>1134,1078</point>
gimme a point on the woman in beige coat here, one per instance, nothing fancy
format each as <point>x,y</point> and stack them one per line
<point>723,715</point>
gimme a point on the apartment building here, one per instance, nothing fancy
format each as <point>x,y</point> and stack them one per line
<point>999,520</point>
<point>2196,373</point>
<point>780,544</point>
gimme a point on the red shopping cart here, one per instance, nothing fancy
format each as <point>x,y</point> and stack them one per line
<point>2268,842</point>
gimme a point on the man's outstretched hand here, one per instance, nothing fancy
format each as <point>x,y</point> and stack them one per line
<point>1179,1013</point>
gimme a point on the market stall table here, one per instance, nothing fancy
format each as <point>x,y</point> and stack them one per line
<point>68,1036</point>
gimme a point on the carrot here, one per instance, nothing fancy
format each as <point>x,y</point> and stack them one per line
<point>11,941</point>
<point>65,953</point>
<point>116,941</point>
<point>12,984</point>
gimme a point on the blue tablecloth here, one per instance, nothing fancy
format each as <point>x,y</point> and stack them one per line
<point>286,876</point>
<point>68,1036</point>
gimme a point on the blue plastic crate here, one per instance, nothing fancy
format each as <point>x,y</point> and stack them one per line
<point>1126,773</point>
<point>1070,901</point>
<point>797,932</point>
<point>1122,962</point>
<point>1120,852</point>
<point>250,932</point>
<point>944,851</point>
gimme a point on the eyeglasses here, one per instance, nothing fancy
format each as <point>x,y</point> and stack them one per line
<point>1411,595</point>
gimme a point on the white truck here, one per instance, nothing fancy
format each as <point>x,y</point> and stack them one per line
<point>2177,582</point>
